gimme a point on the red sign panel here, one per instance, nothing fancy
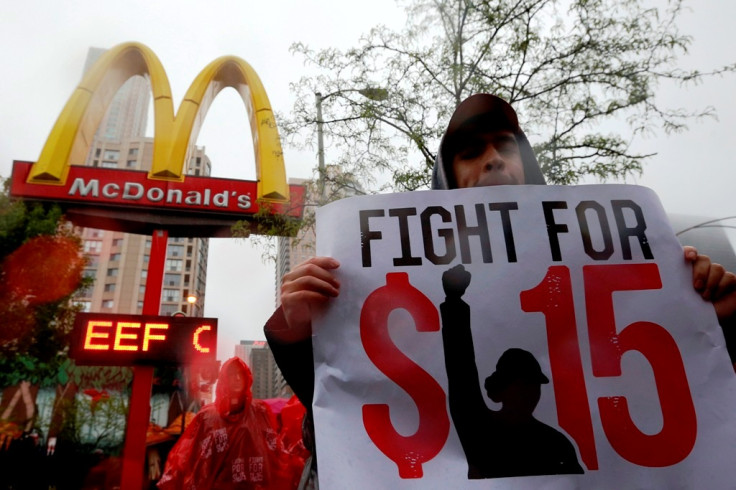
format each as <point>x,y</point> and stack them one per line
<point>127,200</point>
<point>132,188</point>
<point>104,339</point>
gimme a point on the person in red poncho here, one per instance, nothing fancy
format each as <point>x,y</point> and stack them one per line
<point>231,443</point>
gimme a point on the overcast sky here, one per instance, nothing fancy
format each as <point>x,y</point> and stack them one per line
<point>43,45</point>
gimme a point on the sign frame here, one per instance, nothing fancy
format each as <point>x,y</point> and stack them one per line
<point>117,339</point>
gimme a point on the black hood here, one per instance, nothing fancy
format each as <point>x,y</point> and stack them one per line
<point>484,105</point>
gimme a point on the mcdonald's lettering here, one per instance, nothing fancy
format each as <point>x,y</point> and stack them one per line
<point>60,174</point>
<point>134,191</point>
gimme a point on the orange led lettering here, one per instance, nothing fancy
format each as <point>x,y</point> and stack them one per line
<point>195,340</point>
<point>91,334</point>
<point>127,340</point>
<point>148,336</point>
<point>119,335</point>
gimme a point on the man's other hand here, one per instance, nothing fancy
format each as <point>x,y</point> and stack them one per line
<point>303,291</point>
<point>714,284</point>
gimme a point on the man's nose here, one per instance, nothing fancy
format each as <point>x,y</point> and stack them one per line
<point>492,159</point>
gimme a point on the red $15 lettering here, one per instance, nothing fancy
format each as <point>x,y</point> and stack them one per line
<point>408,452</point>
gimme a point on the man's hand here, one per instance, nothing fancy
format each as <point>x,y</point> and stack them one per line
<point>154,464</point>
<point>714,284</point>
<point>303,290</point>
<point>455,281</point>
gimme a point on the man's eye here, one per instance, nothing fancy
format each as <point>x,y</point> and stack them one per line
<point>508,147</point>
<point>471,151</point>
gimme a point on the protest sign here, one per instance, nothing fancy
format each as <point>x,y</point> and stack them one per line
<point>517,337</point>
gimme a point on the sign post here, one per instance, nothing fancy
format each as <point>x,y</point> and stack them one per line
<point>143,341</point>
<point>134,451</point>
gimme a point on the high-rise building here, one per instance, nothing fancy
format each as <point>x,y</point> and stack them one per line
<point>127,116</point>
<point>267,379</point>
<point>118,261</point>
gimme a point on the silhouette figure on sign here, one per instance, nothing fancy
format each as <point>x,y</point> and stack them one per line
<point>506,442</point>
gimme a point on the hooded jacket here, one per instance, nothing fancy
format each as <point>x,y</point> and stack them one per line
<point>224,390</point>
<point>230,446</point>
<point>489,107</point>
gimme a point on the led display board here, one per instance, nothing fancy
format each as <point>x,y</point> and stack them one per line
<point>105,339</point>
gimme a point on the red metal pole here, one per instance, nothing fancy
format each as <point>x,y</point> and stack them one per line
<point>134,451</point>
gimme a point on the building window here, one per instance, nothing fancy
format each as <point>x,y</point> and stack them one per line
<point>171,295</point>
<point>92,246</point>
<point>142,289</point>
<point>168,310</point>
<point>111,155</point>
<point>86,305</point>
<point>109,287</point>
<point>146,258</point>
<point>173,265</point>
<point>114,257</point>
<point>131,164</point>
<point>108,303</point>
<point>98,151</point>
<point>175,251</point>
<point>112,272</point>
<point>144,274</point>
<point>172,280</point>
<point>133,152</point>
<point>117,242</point>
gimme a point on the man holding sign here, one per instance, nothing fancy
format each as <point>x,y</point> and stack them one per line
<point>483,146</point>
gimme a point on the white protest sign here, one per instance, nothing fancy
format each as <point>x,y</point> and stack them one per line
<point>426,378</point>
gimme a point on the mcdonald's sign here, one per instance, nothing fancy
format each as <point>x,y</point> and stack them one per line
<point>162,198</point>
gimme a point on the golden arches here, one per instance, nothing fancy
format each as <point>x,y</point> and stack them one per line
<point>74,130</point>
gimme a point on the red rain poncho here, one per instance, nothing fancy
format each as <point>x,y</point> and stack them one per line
<point>292,416</point>
<point>227,448</point>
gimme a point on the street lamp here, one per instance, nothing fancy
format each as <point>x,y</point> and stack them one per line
<point>376,94</point>
<point>191,299</point>
<point>320,148</point>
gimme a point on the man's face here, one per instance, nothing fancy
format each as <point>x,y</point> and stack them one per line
<point>236,380</point>
<point>491,158</point>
